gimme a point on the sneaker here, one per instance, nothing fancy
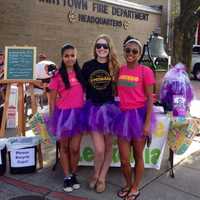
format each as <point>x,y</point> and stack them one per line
<point>75,183</point>
<point>68,187</point>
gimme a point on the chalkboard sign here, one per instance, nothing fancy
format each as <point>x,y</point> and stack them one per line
<point>20,63</point>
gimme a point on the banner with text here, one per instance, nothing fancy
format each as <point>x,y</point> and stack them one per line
<point>152,155</point>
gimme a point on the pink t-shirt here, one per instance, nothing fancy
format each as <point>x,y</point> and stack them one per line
<point>131,85</point>
<point>67,98</point>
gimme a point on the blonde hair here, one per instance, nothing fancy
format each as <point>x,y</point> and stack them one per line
<point>113,63</point>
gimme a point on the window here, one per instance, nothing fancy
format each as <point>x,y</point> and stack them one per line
<point>196,49</point>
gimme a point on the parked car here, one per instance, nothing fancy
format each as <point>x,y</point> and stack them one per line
<point>196,61</point>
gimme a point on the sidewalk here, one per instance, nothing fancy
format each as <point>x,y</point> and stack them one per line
<point>156,184</point>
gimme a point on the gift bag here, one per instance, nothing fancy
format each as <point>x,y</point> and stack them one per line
<point>176,91</point>
<point>181,133</point>
<point>38,126</point>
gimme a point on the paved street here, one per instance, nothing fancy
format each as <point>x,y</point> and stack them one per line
<point>156,185</point>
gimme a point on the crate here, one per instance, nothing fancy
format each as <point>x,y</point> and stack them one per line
<point>3,153</point>
<point>22,152</point>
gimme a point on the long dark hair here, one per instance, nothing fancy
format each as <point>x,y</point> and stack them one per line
<point>63,71</point>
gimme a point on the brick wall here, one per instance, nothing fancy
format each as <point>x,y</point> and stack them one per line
<point>164,4</point>
<point>47,27</point>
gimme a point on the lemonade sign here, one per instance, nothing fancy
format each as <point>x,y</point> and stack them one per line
<point>152,155</point>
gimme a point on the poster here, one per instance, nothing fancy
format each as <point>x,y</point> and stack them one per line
<point>152,155</point>
<point>20,63</point>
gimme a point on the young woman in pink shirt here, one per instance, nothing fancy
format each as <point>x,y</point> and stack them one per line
<point>133,124</point>
<point>66,116</point>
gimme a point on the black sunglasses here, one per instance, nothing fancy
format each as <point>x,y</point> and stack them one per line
<point>99,45</point>
<point>129,50</point>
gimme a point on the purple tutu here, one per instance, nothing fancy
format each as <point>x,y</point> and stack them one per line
<point>99,118</point>
<point>66,122</point>
<point>129,124</point>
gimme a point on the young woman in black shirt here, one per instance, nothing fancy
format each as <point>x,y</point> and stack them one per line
<point>100,74</point>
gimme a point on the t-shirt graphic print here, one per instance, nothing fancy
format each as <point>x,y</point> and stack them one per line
<point>99,87</point>
<point>100,79</point>
<point>128,80</point>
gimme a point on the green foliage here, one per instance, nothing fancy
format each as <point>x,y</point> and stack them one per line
<point>184,31</point>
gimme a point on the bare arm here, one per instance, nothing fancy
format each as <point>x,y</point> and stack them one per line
<point>53,96</point>
<point>148,92</point>
<point>40,84</point>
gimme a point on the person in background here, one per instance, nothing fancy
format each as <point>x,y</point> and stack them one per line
<point>66,118</point>
<point>41,68</point>
<point>100,75</point>
<point>134,123</point>
<point>41,73</point>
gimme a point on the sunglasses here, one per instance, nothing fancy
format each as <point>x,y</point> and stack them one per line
<point>129,50</point>
<point>99,45</point>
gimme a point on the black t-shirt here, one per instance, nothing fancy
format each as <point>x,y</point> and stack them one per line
<point>99,82</point>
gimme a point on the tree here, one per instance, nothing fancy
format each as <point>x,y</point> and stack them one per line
<point>184,31</point>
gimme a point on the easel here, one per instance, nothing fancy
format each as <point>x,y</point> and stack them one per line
<point>21,117</point>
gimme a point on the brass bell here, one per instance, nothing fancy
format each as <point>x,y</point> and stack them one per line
<point>156,47</point>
